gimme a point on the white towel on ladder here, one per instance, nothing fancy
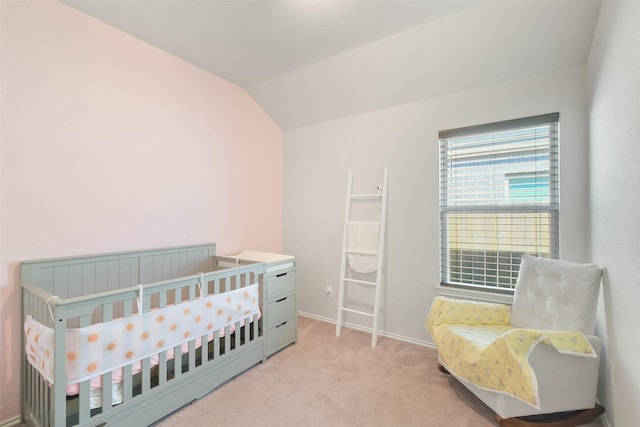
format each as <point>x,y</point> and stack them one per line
<point>363,237</point>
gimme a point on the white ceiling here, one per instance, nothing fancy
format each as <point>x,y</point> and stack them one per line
<point>307,61</point>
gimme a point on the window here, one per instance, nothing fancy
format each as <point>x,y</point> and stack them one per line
<point>498,200</point>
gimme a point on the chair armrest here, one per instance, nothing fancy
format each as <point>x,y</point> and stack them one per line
<point>457,312</point>
<point>565,383</point>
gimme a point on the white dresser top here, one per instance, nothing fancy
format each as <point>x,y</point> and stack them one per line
<point>274,262</point>
<point>264,256</point>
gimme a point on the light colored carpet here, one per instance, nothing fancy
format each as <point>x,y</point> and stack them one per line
<point>328,381</point>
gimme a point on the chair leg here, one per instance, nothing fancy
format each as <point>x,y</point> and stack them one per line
<point>443,369</point>
<point>562,419</point>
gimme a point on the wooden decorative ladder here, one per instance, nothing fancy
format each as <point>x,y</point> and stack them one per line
<point>380,196</point>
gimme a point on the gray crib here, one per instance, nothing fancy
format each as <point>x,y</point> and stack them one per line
<point>78,292</point>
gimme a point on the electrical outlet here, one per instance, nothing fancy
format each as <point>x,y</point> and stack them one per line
<point>328,293</point>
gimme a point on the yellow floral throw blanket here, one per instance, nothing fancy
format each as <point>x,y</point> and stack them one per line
<point>475,342</point>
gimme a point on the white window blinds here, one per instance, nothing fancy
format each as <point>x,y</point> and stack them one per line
<point>498,199</point>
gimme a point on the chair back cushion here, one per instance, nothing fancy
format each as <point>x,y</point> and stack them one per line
<point>556,295</point>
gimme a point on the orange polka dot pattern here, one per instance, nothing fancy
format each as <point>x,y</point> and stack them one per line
<point>103,347</point>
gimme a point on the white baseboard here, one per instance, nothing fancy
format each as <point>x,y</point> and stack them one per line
<point>15,421</point>
<point>369,330</point>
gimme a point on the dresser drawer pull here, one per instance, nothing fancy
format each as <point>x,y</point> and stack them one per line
<point>281,274</point>
<point>281,299</point>
<point>281,324</point>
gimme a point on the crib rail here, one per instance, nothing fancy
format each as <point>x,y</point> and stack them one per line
<point>160,380</point>
<point>91,274</point>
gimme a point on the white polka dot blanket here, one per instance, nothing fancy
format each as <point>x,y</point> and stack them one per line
<point>103,347</point>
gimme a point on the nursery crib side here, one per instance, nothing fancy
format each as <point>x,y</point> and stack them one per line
<point>79,292</point>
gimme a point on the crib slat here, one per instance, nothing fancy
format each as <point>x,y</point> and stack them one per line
<point>42,389</point>
<point>113,274</point>
<point>101,276</point>
<point>192,292</point>
<point>162,299</point>
<point>125,274</point>
<point>177,363</point>
<point>89,278</point>
<point>38,391</point>
<point>216,344</point>
<point>237,333</point>
<point>74,280</point>
<point>192,355</point>
<point>46,279</point>
<point>34,392</point>
<point>227,339</point>
<point>44,405</point>
<point>127,383</point>
<point>84,411</point>
<point>204,349</point>
<point>164,267</point>
<point>107,391</point>
<point>27,385</point>
<point>107,312</point>
<point>145,376</point>
<point>61,280</point>
<point>162,368</point>
<point>32,395</point>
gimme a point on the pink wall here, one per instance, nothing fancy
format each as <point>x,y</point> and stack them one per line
<point>109,144</point>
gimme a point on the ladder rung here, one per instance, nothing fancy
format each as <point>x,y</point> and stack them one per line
<point>367,196</point>
<point>349,251</point>
<point>362,282</point>
<point>350,310</point>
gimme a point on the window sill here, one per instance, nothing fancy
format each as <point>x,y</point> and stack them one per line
<point>469,294</point>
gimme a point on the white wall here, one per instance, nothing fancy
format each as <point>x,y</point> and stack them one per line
<point>487,43</point>
<point>404,139</point>
<point>110,144</point>
<point>614,90</point>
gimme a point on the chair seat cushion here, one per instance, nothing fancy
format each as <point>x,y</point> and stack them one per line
<point>556,295</point>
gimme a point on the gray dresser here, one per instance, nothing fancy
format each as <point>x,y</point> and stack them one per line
<point>280,321</point>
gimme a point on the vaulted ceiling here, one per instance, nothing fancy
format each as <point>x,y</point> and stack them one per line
<point>308,61</point>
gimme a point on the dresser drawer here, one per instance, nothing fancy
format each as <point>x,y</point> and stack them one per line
<point>281,336</point>
<point>281,284</point>
<point>280,310</point>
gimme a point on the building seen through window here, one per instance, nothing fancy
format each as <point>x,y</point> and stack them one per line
<point>498,200</point>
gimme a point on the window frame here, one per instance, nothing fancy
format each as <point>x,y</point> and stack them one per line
<point>551,208</point>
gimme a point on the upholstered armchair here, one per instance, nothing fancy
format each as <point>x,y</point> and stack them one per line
<point>535,362</point>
